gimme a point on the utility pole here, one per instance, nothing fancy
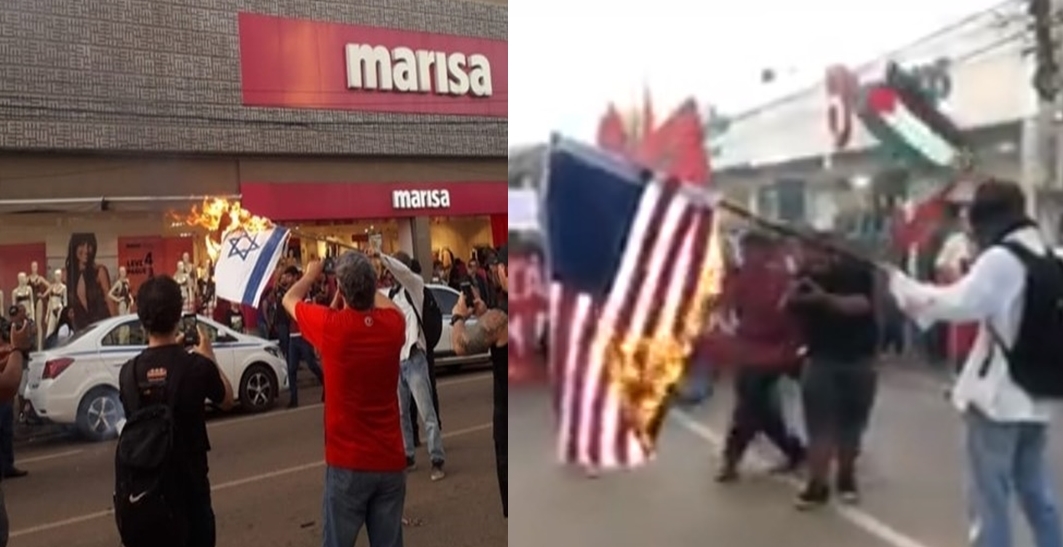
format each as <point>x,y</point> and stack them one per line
<point>1040,156</point>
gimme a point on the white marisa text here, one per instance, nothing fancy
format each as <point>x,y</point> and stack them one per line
<point>420,199</point>
<point>417,71</point>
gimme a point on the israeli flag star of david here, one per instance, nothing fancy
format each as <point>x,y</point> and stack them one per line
<point>246,263</point>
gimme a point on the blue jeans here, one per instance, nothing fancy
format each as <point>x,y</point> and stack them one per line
<point>354,498</point>
<point>414,381</point>
<point>300,350</point>
<point>1006,456</point>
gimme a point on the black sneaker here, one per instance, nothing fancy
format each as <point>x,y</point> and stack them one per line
<point>411,464</point>
<point>792,464</point>
<point>848,492</point>
<point>813,496</point>
<point>727,474</point>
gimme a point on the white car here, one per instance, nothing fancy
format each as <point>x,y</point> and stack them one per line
<point>446,298</point>
<point>77,382</point>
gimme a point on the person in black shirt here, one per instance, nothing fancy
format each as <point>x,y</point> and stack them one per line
<point>280,320</point>
<point>187,378</point>
<point>491,333</point>
<point>833,301</point>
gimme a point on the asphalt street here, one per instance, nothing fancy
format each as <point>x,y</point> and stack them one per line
<point>267,473</point>
<point>912,475</point>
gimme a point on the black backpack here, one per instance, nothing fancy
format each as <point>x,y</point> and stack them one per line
<point>145,506</point>
<point>1035,360</point>
<point>430,320</point>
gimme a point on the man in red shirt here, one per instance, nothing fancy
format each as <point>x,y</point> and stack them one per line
<point>767,346</point>
<point>360,337</point>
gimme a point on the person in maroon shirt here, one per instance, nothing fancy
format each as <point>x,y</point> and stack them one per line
<point>768,342</point>
<point>360,337</point>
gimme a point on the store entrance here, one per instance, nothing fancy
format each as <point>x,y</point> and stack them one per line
<point>323,239</point>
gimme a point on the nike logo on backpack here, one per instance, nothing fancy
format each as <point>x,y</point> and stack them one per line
<point>133,498</point>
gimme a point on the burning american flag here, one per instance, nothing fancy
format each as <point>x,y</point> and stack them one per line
<point>633,264</point>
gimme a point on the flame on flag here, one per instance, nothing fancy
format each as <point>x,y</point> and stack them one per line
<point>645,370</point>
<point>219,216</point>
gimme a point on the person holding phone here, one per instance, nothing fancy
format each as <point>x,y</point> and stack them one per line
<point>187,378</point>
<point>490,333</point>
<point>415,380</point>
<point>360,338</point>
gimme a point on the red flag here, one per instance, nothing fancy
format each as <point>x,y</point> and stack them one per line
<point>611,133</point>
<point>916,226</point>
<point>677,147</point>
<point>647,115</point>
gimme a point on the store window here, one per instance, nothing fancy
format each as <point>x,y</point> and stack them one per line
<point>458,237</point>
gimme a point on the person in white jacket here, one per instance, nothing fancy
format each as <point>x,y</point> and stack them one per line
<point>1006,428</point>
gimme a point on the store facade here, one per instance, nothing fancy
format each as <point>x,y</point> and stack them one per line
<point>346,120</point>
<point>809,157</point>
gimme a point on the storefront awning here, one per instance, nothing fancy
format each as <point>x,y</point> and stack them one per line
<point>99,204</point>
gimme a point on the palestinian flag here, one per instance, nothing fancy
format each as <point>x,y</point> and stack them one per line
<point>913,132</point>
<point>904,118</point>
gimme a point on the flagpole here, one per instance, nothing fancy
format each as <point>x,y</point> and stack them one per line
<point>303,235</point>
<point>700,195</point>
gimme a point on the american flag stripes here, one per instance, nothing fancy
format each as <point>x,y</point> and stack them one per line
<point>626,257</point>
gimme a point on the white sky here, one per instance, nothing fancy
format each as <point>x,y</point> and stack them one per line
<point>569,58</point>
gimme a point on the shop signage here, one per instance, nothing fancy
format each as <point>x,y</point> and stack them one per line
<point>406,70</point>
<point>373,69</point>
<point>842,88</point>
<point>420,199</point>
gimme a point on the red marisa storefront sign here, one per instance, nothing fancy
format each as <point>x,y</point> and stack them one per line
<point>297,63</point>
<point>309,201</point>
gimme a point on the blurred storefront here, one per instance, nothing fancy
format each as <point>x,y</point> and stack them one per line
<point>359,137</point>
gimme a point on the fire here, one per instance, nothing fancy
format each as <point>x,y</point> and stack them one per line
<point>219,216</point>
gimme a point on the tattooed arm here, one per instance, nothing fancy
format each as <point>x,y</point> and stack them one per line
<point>490,329</point>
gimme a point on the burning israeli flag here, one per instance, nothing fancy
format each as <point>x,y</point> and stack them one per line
<point>246,261</point>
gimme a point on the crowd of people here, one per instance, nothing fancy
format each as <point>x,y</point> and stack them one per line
<point>369,347</point>
<point>807,311</point>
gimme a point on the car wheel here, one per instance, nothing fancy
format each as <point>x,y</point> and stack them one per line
<point>258,388</point>
<point>99,413</point>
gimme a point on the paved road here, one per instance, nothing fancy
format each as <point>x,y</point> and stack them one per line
<point>912,477</point>
<point>267,473</point>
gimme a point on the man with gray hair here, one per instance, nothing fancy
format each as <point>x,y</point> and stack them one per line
<point>414,380</point>
<point>360,337</point>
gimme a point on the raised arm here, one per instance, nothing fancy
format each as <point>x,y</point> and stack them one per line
<point>994,278</point>
<point>490,329</point>
<point>409,280</point>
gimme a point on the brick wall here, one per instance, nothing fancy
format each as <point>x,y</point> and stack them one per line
<point>164,76</point>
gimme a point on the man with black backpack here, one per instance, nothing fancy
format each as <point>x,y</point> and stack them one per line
<point>162,493</point>
<point>424,325</point>
<point>430,309</point>
<point>1014,289</point>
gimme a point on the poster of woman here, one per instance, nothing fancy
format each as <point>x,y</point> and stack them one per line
<point>87,282</point>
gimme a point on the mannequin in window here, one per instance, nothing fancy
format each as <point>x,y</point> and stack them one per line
<point>56,301</point>
<point>185,282</point>
<point>205,282</point>
<point>121,294</point>
<point>190,269</point>
<point>22,295</point>
<point>40,286</point>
